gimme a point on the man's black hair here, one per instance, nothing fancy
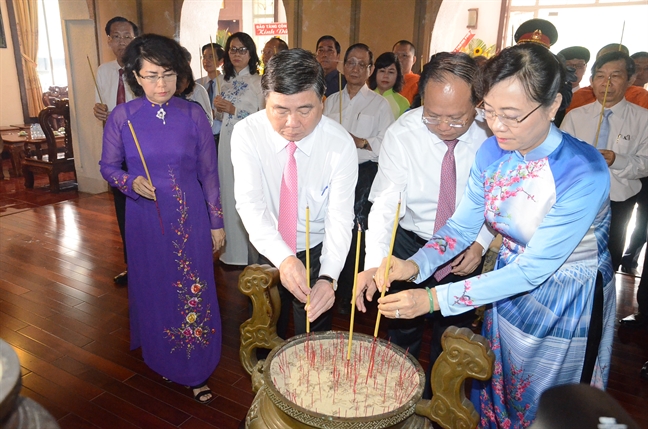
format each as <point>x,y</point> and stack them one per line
<point>293,71</point>
<point>121,19</point>
<point>327,37</point>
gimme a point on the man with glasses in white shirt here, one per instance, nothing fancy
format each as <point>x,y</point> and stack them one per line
<point>112,90</point>
<point>366,115</point>
<point>415,153</point>
<point>620,134</point>
<point>120,32</point>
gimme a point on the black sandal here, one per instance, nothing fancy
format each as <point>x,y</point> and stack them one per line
<point>200,396</point>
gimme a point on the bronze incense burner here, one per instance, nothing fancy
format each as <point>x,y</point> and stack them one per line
<point>286,404</point>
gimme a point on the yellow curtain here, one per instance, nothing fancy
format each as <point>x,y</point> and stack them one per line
<point>27,23</point>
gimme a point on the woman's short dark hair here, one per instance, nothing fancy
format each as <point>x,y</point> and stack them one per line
<point>253,63</point>
<point>382,62</point>
<point>446,64</point>
<point>361,46</point>
<point>293,71</point>
<point>542,75</point>
<point>615,56</point>
<point>191,84</point>
<point>156,49</point>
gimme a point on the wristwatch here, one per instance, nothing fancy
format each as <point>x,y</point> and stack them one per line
<point>330,280</point>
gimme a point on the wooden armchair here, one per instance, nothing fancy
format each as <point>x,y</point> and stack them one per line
<point>50,97</point>
<point>54,155</point>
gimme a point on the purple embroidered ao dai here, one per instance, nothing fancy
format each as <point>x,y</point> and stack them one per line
<point>173,308</point>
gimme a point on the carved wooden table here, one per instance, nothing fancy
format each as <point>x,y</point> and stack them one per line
<point>15,145</point>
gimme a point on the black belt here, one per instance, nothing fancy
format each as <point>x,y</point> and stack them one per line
<point>414,236</point>
<point>301,255</point>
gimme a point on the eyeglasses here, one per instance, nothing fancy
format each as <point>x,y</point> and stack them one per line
<point>490,115</point>
<point>241,51</point>
<point>432,120</point>
<point>154,78</point>
<point>354,64</point>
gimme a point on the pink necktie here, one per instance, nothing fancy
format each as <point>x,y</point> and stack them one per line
<point>288,200</point>
<point>447,197</point>
<point>121,92</point>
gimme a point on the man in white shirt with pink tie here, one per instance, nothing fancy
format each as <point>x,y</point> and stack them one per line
<point>286,158</point>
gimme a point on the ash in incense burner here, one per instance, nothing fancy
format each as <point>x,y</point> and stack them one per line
<point>307,382</point>
<point>312,372</point>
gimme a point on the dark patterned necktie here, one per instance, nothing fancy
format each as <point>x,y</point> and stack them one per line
<point>210,91</point>
<point>447,197</point>
<point>121,91</point>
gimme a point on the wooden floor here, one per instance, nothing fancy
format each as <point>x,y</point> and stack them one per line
<point>68,323</point>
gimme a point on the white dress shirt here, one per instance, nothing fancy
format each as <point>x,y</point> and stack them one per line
<point>327,174</point>
<point>367,115</point>
<point>200,96</point>
<point>628,139</point>
<point>216,117</point>
<point>204,81</point>
<point>410,167</point>
<point>108,82</point>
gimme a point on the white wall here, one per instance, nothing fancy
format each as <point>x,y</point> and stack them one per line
<point>79,41</point>
<point>452,20</point>
<point>10,106</point>
<point>192,36</point>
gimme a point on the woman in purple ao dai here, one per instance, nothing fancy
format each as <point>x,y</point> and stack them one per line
<point>174,221</point>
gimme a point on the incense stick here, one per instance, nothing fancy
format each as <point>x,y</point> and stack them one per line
<point>94,80</point>
<point>200,55</point>
<point>389,255</point>
<point>307,265</point>
<point>353,294</point>
<point>139,150</point>
<point>214,62</point>
<point>340,87</point>
<point>622,31</point>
